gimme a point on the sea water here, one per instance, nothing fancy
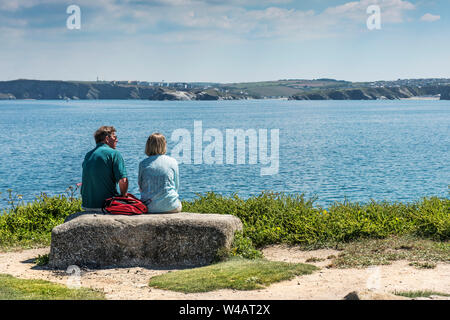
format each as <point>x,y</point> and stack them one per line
<point>335,150</point>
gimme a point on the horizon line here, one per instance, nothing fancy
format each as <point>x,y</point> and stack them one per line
<point>216,82</point>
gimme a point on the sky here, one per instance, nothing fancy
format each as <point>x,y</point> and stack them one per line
<point>224,41</point>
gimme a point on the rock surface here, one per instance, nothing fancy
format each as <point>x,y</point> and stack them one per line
<point>445,94</point>
<point>375,93</point>
<point>156,240</point>
<point>80,90</point>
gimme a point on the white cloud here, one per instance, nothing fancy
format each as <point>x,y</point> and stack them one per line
<point>278,22</point>
<point>430,17</point>
<point>14,5</point>
<point>273,22</point>
<point>192,20</point>
<point>392,11</point>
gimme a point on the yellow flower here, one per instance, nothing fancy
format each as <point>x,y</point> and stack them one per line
<point>324,211</point>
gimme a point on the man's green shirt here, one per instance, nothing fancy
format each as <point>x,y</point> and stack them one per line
<point>103,167</point>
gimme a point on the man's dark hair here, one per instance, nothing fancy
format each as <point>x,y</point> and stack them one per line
<point>103,132</point>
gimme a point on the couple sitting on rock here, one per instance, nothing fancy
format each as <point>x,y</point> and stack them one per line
<point>104,168</point>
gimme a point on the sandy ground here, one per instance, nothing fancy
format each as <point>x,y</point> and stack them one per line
<point>325,284</point>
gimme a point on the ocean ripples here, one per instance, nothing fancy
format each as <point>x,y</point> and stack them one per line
<point>396,151</point>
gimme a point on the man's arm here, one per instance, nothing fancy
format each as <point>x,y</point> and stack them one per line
<point>119,170</point>
<point>123,186</point>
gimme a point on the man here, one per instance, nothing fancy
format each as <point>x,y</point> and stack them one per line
<point>103,168</point>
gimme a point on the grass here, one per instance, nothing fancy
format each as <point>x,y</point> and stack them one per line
<point>269,218</point>
<point>366,234</point>
<point>236,273</point>
<point>423,265</point>
<point>19,289</point>
<point>28,225</point>
<point>272,218</point>
<point>314,259</point>
<point>42,260</point>
<point>420,294</point>
<point>423,253</point>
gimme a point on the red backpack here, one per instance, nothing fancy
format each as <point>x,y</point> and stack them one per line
<point>127,205</point>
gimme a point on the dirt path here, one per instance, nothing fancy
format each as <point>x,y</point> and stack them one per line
<point>131,283</point>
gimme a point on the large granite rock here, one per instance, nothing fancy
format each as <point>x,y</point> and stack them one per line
<point>155,240</point>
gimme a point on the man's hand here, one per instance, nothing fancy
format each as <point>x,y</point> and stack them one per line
<point>123,186</point>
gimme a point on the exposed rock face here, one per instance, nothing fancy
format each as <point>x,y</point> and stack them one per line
<point>161,240</point>
<point>368,93</point>
<point>445,94</point>
<point>7,96</point>
<point>79,90</point>
<point>163,94</point>
<point>36,89</point>
<point>206,96</point>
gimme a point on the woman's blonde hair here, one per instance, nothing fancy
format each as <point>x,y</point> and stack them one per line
<point>156,144</point>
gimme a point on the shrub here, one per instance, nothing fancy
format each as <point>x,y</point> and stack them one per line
<point>432,218</point>
<point>31,224</point>
<point>268,218</point>
<point>241,247</point>
<point>271,218</point>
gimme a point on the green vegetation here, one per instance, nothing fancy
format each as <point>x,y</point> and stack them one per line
<point>420,294</point>
<point>236,273</point>
<point>300,89</point>
<point>423,265</point>
<point>366,234</point>
<point>42,260</point>
<point>269,218</point>
<point>30,225</point>
<point>282,88</point>
<point>241,247</point>
<point>423,253</point>
<point>314,259</point>
<point>19,289</point>
<point>272,218</point>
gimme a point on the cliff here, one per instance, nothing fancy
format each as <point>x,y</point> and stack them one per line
<point>51,90</point>
<point>321,89</point>
<point>445,94</point>
<point>380,93</point>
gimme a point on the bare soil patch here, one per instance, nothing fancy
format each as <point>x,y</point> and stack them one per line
<point>326,284</point>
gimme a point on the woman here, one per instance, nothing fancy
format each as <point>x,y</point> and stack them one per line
<point>158,177</point>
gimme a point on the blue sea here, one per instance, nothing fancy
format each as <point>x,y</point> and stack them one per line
<point>334,150</point>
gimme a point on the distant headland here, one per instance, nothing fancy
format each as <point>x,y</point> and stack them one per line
<point>292,89</point>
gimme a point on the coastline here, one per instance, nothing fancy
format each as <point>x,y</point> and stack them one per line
<point>423,98</point>
<point>419,89</point>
